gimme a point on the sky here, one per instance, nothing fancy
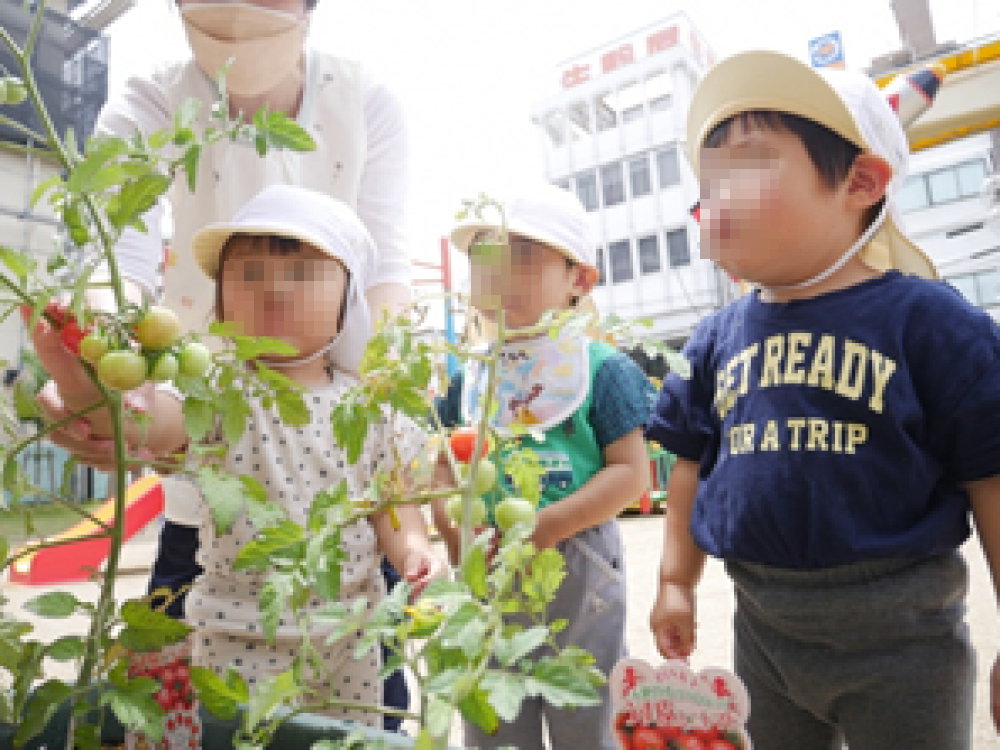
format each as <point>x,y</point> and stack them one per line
<point>468,72</point>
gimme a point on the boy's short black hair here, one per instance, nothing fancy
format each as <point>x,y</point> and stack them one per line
<point>831,153</point>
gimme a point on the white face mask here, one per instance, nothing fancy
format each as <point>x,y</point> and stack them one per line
<point>264,45</point>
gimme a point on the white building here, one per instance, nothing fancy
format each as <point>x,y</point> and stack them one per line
<point>614,134</point>
<point>945,212</point>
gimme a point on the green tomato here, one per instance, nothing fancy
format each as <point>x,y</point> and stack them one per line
<point>166,368</point>
<point>486,477</point>
<point>16,92</point>
<point>514,511</point>
<point>454,510</point>
<point>159,328</point>
<point>122,370</point>
<point>195,359</point>
<point>94,346</point>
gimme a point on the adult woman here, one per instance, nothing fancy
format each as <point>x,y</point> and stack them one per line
<point>361,158</point>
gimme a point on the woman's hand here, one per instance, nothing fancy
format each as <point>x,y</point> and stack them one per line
<point>673,620</point>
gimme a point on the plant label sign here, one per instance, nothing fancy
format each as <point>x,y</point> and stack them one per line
<point>670,706</point>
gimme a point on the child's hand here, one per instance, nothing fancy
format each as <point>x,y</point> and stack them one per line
<point>672,620</point>
<point>422,567</point>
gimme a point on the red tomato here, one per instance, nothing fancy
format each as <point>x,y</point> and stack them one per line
<point>721,745</point>
<point>71,335</point>
<point>646,738</point>
<point>463,441</point>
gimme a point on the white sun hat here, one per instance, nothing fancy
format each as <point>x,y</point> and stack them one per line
<point>847,102</point>
<point>329,225</point>
<point>545,213</point>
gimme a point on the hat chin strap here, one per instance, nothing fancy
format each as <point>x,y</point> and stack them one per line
<point>853,250</point>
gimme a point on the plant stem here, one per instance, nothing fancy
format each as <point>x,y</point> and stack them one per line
<point>24,129</point>
<point>466,538</point>
<point>106,601</point>
<point>55,426</point>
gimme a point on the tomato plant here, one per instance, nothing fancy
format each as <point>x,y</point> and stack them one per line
<point>454,510</point>
<point>469,658</point>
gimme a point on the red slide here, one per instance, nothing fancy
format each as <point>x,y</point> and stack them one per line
<point>75,561</point>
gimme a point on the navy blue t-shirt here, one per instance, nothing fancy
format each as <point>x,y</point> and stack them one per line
<point>838,428</point>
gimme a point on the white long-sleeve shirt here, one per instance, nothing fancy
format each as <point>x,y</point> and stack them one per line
<point>361,158</point>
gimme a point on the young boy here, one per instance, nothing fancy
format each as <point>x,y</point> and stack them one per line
<point>838,423</point>
<point>591,403</point>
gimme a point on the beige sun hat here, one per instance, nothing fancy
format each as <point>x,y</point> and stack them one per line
<point>545,213</point>
<point>846,102</point>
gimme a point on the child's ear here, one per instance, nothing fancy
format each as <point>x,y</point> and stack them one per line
<point>867,180</point>
<point>586,278</point>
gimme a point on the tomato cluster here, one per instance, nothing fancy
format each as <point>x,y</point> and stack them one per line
<point>176,695</point>
<point>652,737</point>
<point>121,366</point>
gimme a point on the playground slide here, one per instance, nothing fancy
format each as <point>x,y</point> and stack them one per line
<point>76,561</point>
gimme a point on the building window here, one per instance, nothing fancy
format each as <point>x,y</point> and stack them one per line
<point>677,248</point>
<point>620,254</point>
<point>660,104</point>
<point>649,254</point>
<point>982,288</point>
<point>632,114</point>
<point>638,175</point>
<point>913,195</point>
<point>601,280</point>
<point>953,183</point>
<point>586,189</point>
<point>612,184</point>
<point>667,168</point>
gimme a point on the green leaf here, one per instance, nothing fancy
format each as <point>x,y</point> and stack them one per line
<point>54,604</point>
<point>41,708</point>
<point>474,571</point>
<point>465,629</point>
<point>191,159</point>
<point>224,496</point>
<point>505,692</point>
<point>135,707</point>
<point>261,512</point>
<point>199,418</point>
<point>43,187</point>
<point>69,468</point>
<point>271,543</point>
<point>19,263</point>
<point>187,114</point>
<point>148,630</point>
<point>519,645</point>
<point>66,648</point>
<point>12,479</point>
<point>87,737</point>
<point>235,413</point>
<point>292,409</point>
<point>271,694</point>
<point>274,596</point>
<point>87,176</point>
<point>562,685</point>
<point>476,708</point>
<point>75,224</point>
<point>437,716</point>
<point>545,576</point>
<point>138,196</point>
<point>283,132</point>
<point>221,697</point>
<point>337,497</point>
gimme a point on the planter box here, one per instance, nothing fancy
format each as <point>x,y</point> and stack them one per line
<point>217,734</point>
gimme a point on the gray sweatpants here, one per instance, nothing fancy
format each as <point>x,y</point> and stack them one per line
<point>592,600</point>
<point>874,654</point>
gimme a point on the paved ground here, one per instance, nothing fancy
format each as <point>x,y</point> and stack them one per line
<point>642,539</point>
